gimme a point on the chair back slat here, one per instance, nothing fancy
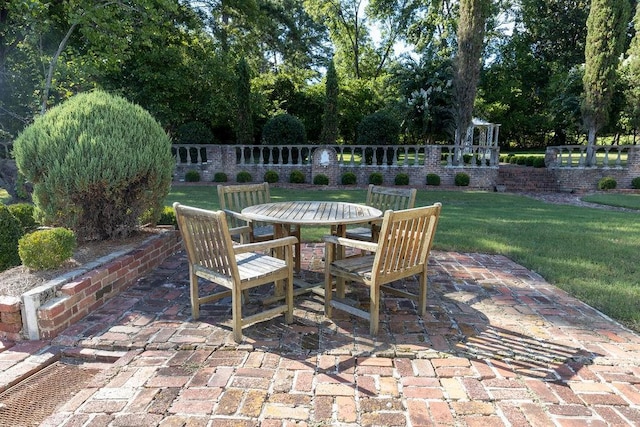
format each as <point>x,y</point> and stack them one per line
<point>385,198</point>
<point>207,240</point>
<point>405,240</point>
<point>238,197</point>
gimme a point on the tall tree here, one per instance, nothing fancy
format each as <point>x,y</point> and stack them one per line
<point>471,30</point>
<point>631,73</point>
<point>244,120</point>
<point>606,29</point>
<point>329,133</point>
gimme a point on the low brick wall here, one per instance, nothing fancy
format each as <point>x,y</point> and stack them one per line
<point>45,311</point>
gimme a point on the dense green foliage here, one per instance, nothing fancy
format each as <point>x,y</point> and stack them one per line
<point>284,129</point>
<point>46,249</point>
<point>376,178</point>
<point>192,176</point>
<point>244,176</point>
<point>433,179</point>
<point>10,233</point>
<point>190,62</point>
<point>606,30</point>
<point>379,128</point>
<point>401,179</point>
<point>635,183</point>
<point>96,163</point>
<point>271,176</point>
<point>24,212</point>
<point>607,183</point>
<point>321,179</point>
<point>220,177</point>
<point>297,177</point>
<point>194,133</point>
<point>348,178</point>
<point>461,179</point>
<point>330,123</point>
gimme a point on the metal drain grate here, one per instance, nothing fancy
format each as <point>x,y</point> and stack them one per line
<point>33,399</point>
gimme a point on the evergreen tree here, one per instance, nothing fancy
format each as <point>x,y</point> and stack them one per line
<point>606,26</point>
<point>631,72</point>
<point>329,133</point>
<point>244,121</point>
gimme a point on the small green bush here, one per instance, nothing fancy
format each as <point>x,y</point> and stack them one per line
<point>461,179</point>
<point>284,129</point>
<point>192,176</point>
<point>271,176</point>
<point>528,161</point>
<point>376,178</point>
<point>635,183</point>
<point>433,179</point>
<point>321,179</point>
<point>10,233</point>
<point>24,213</point>
<point>513,160</point>
<point>244,176</point>
<point>348,178</point>
<point>521,160</point>
<point>220,177</point>
<point>47,249</point>
<point>466,158</point>
<point>166,216</point>
<point>402,179</point>
<point>297,177</point>
<point>538,162</point>
<point>607,183</point>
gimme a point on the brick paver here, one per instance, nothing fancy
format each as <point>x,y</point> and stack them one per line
<point>499,346</point>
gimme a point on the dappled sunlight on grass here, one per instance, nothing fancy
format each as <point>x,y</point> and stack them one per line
<point>4,196</point>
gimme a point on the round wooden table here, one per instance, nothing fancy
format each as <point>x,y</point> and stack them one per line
<point>333,214</point>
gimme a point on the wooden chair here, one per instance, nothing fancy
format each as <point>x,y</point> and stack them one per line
<point>402,249</point>
<point>234,198</point>
<point>213,256</point>
<point>383,198</point>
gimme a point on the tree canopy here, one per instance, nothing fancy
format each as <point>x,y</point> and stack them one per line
<point>541,68</point>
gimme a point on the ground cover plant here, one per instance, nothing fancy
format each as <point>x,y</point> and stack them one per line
<point>590,253</point>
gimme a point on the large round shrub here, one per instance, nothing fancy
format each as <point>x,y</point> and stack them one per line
<point>10,234</point>
<point>194,133</point>
<point>284,129</point>
<point>379,128</point>
<point>96,163</point>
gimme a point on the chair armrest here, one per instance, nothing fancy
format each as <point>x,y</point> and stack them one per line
<point>239,230</point>
<point>237,215</point>
<point>267,244</point>
<point>352,243</point>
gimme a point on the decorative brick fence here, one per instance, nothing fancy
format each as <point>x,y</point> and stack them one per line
<point>416,161</point>
<point>48,309</point>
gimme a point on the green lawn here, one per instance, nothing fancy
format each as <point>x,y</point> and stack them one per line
<point>629,201</point>
<point>590,253</point>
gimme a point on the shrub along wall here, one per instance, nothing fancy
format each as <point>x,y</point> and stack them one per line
<point>47,310</point>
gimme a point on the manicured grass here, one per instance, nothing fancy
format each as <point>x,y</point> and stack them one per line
<point>629,201</point>
<point>590,253</point>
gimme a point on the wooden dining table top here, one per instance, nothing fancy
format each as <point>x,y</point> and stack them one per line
<point>312,213</point>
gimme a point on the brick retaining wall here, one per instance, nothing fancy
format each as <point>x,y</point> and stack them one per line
<point>48,309</point>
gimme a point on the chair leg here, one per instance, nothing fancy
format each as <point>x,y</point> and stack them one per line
<point>328,280</point>
<point>236,312</point>
<point>374,309</point>
<point>288,316</point>
<point>422,297</point>
<point>193,290</point>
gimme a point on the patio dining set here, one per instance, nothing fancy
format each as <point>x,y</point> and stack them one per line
<point>252,241</point>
